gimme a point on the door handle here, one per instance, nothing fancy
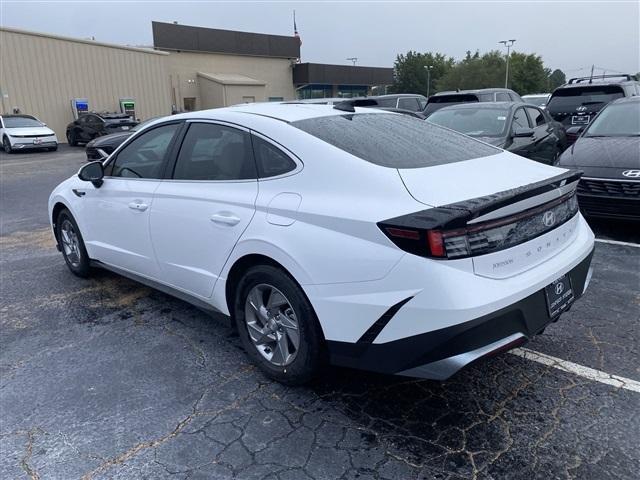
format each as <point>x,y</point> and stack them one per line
<point>141,207</point>
<point>225,218</point>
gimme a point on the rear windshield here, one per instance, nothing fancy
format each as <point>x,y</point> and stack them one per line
<point>441,101</point>
<point>568,99</point>
<point>396,141</point>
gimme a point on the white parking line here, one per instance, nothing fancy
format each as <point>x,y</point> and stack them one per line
<point>617,242</point>
<point>585,372</point>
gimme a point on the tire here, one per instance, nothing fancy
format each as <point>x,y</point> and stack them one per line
<point>6,145</point>
<point>71,138</point>
<point>308,356</point>
<point>72,245</point>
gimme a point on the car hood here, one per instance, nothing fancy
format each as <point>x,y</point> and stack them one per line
<point>454,182</point>
<point>29,131</point>
<point>113,139</point>
<point>613,153</point>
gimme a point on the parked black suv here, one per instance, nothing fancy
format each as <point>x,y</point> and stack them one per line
<point>576,103</point>
<point>608,152</point>
<point>446,99</point>
<point>92,125</point>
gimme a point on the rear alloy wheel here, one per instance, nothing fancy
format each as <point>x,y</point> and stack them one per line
<point>6,144</point>
<point>71,138</point>
<point>277,325</point>
<point>72,245</point>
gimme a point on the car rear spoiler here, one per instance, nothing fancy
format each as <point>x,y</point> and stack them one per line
<point>457,215</point>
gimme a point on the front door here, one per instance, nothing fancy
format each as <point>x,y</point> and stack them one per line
<point>199,214</point>
<point>117,232</point>
<point>545,143</point>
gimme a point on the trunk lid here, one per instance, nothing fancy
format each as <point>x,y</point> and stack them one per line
<point>455,182</point>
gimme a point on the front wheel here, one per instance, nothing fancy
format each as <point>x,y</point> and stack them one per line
<point>72,245</point>
<point>71,138</point>
<point>277,326</point>
<point>6,145</point>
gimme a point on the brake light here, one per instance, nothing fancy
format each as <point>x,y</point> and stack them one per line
<point>480,238</point>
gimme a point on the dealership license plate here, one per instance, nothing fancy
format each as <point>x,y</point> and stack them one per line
<point>580,119</point>
<point>559,295</point>
<point>125,127</point>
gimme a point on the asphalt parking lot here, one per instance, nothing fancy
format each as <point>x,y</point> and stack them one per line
<point>104,378</point>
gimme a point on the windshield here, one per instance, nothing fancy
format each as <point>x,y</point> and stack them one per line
<point>20,122</point>
<point>618,120</point>
<point>571,98</point>
<point>396,141</point>
<point>477,122</point>
<point>537,100</point>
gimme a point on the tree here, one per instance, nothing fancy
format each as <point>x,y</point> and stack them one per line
<point>410,74</point>
<point>475,71</point>
<point>527,74</point>
<point>556,79</point>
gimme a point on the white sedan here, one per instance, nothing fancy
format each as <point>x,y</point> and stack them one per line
<point>334,234</point>
<point>24,132</point>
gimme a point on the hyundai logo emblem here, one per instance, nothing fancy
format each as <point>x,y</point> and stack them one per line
<point>559,288</point>
<point>549,218</point>
<point>581,109</point>
<point>631,173</point>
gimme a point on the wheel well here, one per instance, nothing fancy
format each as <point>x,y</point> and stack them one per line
<point>57,208</point>
<point>239,269</point>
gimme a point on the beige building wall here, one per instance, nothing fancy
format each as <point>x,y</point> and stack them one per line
<point>183,68</point>
<point>40,74</point>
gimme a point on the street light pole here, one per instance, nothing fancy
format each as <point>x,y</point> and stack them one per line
<point>353,59</point>
<point>508,44</point>
<point>428,68</point>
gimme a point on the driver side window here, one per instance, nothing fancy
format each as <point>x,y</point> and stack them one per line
<point>144,156</point>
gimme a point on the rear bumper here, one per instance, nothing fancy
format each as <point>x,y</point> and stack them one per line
<point>438,354</point>
<point>610,207</point>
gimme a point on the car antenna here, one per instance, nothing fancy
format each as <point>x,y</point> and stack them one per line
<point>345,106</point>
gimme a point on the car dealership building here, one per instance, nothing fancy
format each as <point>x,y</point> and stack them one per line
<point>56,78</point>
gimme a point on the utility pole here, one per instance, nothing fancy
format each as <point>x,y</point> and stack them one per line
<point>428,69</point>
<point>353,59</point>
<point>508,44</point>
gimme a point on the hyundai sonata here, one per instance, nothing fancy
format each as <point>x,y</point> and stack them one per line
<point>334,234</point>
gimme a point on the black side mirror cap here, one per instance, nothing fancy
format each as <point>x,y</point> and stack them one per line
<point>523,132</point>
<point>92,172</point>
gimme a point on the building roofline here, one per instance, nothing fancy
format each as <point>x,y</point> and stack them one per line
<point>81,40</point>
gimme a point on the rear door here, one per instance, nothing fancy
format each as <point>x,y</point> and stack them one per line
<point>202,208</point>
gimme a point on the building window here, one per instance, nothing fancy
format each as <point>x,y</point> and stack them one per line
<point>276,99</point>
<point>315,91</point>
<point>351,91</point>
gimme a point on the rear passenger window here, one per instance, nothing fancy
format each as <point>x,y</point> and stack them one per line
<point>387,102</point>
<point>502,97</point>
<point>270,160</point>
<point>215,152</point>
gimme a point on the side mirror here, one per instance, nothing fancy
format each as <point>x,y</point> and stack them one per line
<point>575,130</point>
<point>92,172</point>
<point>523,132</point>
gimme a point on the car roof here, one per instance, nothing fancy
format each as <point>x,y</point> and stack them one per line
<point>484,105</point>
<point>17,115</point>
<point>477,90</point>
<point>397,95</point>
<point>536,95</point>
<point>286,112</point>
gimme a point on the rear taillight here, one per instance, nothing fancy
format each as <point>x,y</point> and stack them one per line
<point>480,238</point>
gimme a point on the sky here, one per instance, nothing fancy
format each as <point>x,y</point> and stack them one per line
<point>570,35</point>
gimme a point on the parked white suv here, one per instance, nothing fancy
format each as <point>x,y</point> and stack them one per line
<point>23,132</point>
<point>355,236</point>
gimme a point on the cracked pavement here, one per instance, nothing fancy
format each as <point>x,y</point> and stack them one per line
<point>107,379</point>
